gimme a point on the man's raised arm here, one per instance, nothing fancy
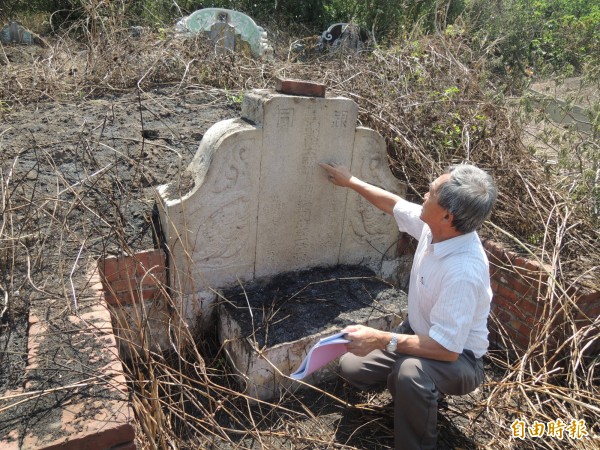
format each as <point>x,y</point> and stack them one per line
<point>341,176</point>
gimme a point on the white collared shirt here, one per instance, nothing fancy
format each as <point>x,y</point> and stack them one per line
<point>449,291</point>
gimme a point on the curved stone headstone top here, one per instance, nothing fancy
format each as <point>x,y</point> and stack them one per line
<point>205,19</point>
<point>346,35</point>
<point>255,201</point>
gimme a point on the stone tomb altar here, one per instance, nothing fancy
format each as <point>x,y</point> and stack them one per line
<point>271,323</point>
<point>254,203</point>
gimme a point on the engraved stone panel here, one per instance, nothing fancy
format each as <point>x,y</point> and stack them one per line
<point>223,35</point>
<point>207,20</point>
<point>211,231</point>
<point>370,235</point>
<point>301,214</point>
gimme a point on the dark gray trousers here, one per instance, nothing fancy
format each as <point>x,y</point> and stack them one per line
<point>416,385</point>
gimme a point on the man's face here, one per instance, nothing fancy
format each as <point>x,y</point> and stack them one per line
<point>432,213</point>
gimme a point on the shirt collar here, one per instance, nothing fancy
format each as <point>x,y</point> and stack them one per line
<point>451,245</point>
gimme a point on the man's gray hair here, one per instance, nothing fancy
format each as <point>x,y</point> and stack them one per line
<point>469,195</point>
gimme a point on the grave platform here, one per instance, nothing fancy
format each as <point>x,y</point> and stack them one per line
<point>268,325</point>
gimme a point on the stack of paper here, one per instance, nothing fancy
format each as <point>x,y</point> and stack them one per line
<point>324,351</point>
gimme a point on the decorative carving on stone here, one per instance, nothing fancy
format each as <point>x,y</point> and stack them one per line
<point>221,245</point>
<point>343,35</point>
<point>254,201</point>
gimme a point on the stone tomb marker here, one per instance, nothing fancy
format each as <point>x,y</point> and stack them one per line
<point>254,203</point>
<point>15,33</point>
<point>229,30</point>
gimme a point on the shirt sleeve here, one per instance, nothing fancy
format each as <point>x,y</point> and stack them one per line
<point>453,313</point>
<point>407,217</point>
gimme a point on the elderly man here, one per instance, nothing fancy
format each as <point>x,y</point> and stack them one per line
<point>438,350</point>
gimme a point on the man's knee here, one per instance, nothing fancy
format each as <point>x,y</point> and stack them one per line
<point>408,375</point>
<point>359,372</point>
<point>351,369</point>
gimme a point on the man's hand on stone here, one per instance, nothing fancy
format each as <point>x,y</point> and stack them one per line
<point>363,340</point>
<point>337,174</point>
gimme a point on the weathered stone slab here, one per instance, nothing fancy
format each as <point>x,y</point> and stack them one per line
<point>254,201</point>
<point>300,213</point>
<point>369,236</point>
<point>223,35</point>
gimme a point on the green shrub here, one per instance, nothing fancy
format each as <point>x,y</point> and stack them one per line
<point>546,36</point>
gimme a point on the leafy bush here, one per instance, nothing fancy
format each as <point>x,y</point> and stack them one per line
<point>546,36</point>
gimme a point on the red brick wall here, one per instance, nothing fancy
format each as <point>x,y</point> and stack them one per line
<point>129,279</point>
<point>520,306</point>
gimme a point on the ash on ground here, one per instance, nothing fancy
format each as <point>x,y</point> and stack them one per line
<point>293,305</point>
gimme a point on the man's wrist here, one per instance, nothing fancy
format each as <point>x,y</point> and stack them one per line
<point>392,342</point>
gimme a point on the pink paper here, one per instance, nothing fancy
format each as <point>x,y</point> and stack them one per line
<point>324,351</point>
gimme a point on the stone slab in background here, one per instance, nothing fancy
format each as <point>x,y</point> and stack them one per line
<point>228,29</point>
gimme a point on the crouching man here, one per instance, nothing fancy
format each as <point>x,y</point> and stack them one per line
<point>438,350</point>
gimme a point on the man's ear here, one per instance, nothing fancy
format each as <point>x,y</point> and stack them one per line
<point>448,218</point>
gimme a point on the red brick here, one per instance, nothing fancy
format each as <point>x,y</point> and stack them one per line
<point>530,287</point>
<point>495,261</point>
<point>143,256</point>
<point>119,299</point>
<point>495,249</point>
<point>153,281</point>
<point>127,266</point>
<point>157,258</point>
<point>523,288</point>
<point>519,261</point>
<point>90,423</point>
<point>521,341</point>
<point>534,266</point>
<point>530,274</point>
<point>109,269</point>
<point>531,305</point>
<point>300,87</point>
<point>523,329</point>
<point>126,285</point>
<point>498,302</point>
<point>592,297</point>
<point>501,273</point>
<point>503,316</point>
<point>11,440</point>
<point>148,272</point>
<point>102,436</point>
<point>149,294</point>
<point>590,310</point>
<point>506,292</point>
<point>494,285</point>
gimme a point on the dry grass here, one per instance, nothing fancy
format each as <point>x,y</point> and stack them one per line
<point>426,98</point>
